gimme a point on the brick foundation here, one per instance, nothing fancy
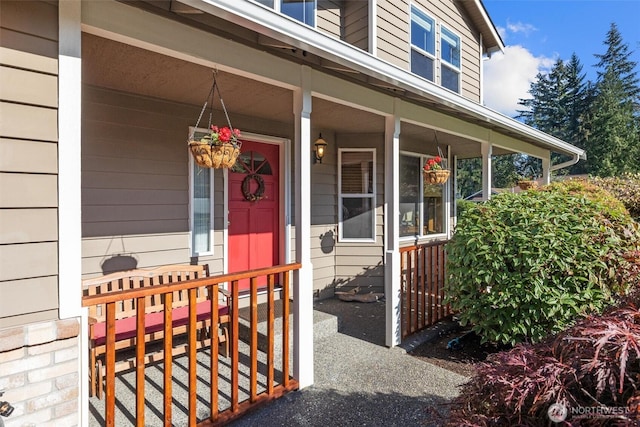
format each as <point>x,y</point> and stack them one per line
<point>39,373</point>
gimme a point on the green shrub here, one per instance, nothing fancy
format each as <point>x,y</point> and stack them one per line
<point>522,266</point>
<point>626,189</point>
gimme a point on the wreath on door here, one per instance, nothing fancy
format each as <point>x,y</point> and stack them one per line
<point>246,187</point>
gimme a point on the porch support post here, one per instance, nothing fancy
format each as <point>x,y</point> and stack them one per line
<point>303,278</point>
<point>486,170</point>
<point>546,170</point>
<point>392,233</point>
<point>69,189</point>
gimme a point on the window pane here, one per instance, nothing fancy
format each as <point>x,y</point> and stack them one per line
<point>422,34</point>
<point>201,228</point>
<point>410,176</point>
<point>357,218</point>
<point>302,10</point>
<point>450,47</point>
<point>268,3</point>
<point>450,79</point>
<point>357,172</point>
<point>433,210</point>
<point>421,65</point>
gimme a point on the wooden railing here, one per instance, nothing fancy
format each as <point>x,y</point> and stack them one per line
<point>238,397</point>
<point>422,277</point>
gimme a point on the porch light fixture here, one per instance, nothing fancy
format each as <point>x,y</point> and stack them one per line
<point>320,145</point>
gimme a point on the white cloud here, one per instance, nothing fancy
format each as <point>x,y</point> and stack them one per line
<point>519,27</point>
<point>508,77</point>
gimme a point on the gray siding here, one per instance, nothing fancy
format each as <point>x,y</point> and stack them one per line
<point>393,23</point>
<point>324,201</point>
<point>453,16</point>
<point>361,264</point>
<point>356,24</point>
<point>328,18</point>
<point>135,182</point>
<point>393,32</point>
<point>28,162</point>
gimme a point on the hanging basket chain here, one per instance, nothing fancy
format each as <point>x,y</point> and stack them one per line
<point>204,107</point>
<point>215,88</point>
<point>206,152</point>
<point>224,109</point>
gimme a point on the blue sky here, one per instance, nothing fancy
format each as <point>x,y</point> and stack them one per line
<point>538,32</point>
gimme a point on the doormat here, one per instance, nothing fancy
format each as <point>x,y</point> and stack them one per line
<point>245,312</point>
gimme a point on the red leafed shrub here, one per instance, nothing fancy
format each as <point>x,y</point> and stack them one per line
<point>594,364</point>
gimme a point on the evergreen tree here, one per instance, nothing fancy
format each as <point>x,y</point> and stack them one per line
<point>558,106</point>
<point>469,177</point>
<point>612,145</point>
<point>577,104</point>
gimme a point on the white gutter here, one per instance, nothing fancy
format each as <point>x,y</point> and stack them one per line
<point>266,21</point>
<point>573,161</point>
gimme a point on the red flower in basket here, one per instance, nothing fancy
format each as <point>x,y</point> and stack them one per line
<point>433,164</point>
<point>223,135</point>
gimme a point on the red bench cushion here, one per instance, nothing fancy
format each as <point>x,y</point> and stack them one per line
<point>154,322</point>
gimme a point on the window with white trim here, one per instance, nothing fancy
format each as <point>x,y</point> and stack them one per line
<point>450,60</point>
<point>423,44</point>
<point>302,10</point>
<point>200,204</point>
<point>422,206</point>
<point>356,195</point>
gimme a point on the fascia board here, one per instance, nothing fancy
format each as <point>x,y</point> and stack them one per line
<point>266,21</point>
<point>492,28</point>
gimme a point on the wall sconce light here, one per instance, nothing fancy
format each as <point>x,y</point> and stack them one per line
<point>320,146</point>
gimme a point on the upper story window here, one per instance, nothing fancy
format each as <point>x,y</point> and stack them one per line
<point>423,44</point>
<point>302,10</point>
<point>423,51</point>
<point>357,197</point>
<point>450,56</point>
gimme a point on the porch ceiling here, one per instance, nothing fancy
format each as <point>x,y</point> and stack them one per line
<point>121,67</point>
<point>114,65</point>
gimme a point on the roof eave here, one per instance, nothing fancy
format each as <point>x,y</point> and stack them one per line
<point>266,22</point>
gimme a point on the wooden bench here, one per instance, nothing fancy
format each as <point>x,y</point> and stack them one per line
<point>125,327</point>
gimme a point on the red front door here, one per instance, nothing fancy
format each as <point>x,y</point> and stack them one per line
<point>254,193</point>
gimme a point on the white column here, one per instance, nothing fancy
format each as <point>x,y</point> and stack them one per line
<point>69,187</point>
<point>69,170</point>
<point>392,232</point>
<point>546,170</point>
<point>303,279</point>
<point>486,170</point>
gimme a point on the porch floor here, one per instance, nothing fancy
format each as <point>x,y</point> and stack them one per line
<point>358,380</point>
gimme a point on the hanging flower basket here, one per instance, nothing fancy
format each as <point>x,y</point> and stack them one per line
<point>527,184</point>
<point>219,149</point>
<point>434,173</point>
<point>436,176</point>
